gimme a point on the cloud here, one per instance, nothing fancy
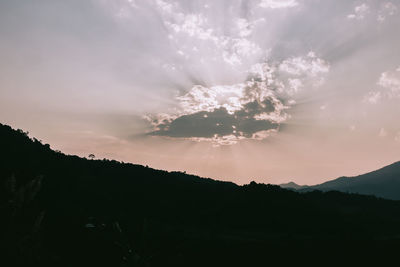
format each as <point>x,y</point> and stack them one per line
<point>276,4</point>
<point>201,98</point>
<point>245,28</point>
<point>247,110</point>
<point>219,123</point>
<point>382,11</point>
<point>301,71</point>
<point>360,12</point>
<point>253,109</point>
<point>391,81</point>
<point>237,49</point>
<point>184,27</point>
<point>389,87</point>
<point>372,97</point>
<point>386,10</point>
<point>309,65</point>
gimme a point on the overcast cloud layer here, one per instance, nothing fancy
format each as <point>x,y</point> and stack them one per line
<point>278,86</point>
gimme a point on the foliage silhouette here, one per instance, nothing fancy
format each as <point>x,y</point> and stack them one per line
<point>61,210</point>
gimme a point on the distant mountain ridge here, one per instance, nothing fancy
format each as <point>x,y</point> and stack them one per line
<point>384,182</point>
<point>292,185</point>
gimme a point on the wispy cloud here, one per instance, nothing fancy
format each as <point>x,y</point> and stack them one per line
<point>277,4</point>
<point>372,97</point>
<point>231,48</point>
<point>386,10</point>
<point>388,87</point>
<point>360,12</point>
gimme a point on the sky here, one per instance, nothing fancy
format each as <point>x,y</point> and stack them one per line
<point>237,90</point>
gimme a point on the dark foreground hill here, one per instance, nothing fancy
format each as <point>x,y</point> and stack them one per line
<point>384,183</point>
<point>59,210</point>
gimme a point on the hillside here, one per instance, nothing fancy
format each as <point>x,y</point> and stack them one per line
<point>64,210</point>
<point>292,185</point>
<point>384,183</point>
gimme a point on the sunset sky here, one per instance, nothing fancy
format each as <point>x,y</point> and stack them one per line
<point>266,90</point>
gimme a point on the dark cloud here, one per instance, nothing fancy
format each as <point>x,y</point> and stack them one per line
<point>220,122</point>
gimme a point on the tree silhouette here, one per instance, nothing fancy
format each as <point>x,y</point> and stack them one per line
<point>91,156</point>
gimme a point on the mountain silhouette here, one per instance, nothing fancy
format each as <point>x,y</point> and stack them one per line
<point>62,210</point>
<point>292,185</point>
<point>384,183</point>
